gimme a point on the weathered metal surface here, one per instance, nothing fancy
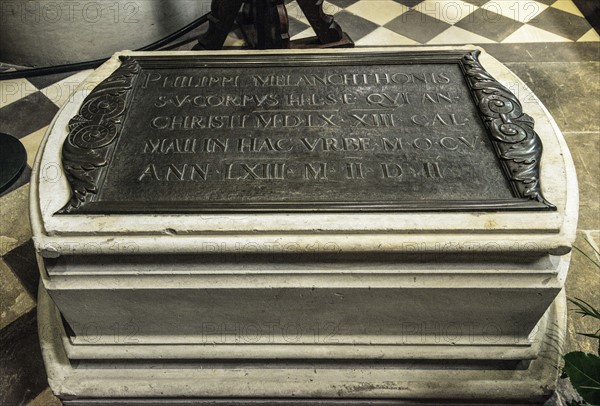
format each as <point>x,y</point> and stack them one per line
<point>345,132</point>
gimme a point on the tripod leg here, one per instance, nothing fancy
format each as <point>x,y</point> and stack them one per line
<point>325,27</point>
<point>272,25</point>
<point>265,24</point>
<point>222,16</point>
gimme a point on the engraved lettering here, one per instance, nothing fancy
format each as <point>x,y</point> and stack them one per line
<point>262,144</point>
<point>392,145</point>
<point>449,143</point>
<point>311,173</point>
<point>471,145</point>
<point>388,100</point>
<point>199,171</point>
<point>328,120</point>
<point>174,170</point>
<point>362,120</point>
<point>437,98</point>
<point>149,172</point>
<point>354,170</point>
<point>432,170</point>
<point>260,171</point>
<point>151,146</point>
<point>455,120</point>
<point>151,77</point>
<point>273,136</point>
<point>422,144</point>
<point>391,171</point>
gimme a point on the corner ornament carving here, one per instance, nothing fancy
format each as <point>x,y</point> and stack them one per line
<point>93,132</point>
<point>511,130</point>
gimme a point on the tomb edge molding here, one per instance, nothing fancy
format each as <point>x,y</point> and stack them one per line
<point>511,130</point>
<point>94,131</point>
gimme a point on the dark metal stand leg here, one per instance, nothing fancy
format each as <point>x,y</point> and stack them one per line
<point>329,33</point>
<point>265,25</point>
<point>222,16</point>
<point>325,27</point>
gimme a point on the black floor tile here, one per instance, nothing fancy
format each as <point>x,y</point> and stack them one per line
<point>341,3</point>
<point>477,3</point>
<point>297,26</point>
<point>409,3</point>
<point>22,373</point>
<point>42,82</point>
<point>560,22</point>
<point>22,261</point>
<point>356,27</point>
<point>591,11</point>
<point>27,115</point>
<point>417,26</point>
<point>489,24</point>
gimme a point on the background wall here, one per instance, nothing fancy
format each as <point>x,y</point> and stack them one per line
<point>49,32</point>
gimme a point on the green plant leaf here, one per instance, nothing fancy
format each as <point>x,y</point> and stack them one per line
<point>587,256</point>
<point>585,309</point>
<point>584,372</point>
<point>593,248</point>
<point>597,336</point>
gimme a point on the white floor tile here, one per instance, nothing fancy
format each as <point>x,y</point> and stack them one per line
<point>529,33</point>
<point>590,36</point>
<point>382,36</point>
<point>309,32</point>
<point>13,90</point>
<point>331,9</point>
<point>456,35</point>
<point>450,11</point>
<point>32,143</point>
<point>60,92</point>
<point>520,10</point>
<point>378,11</point>
<point>568,6</point>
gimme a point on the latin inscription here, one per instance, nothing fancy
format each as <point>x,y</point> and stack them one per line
<point>313,134</point>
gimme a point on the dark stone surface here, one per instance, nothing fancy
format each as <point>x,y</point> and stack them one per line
<point>22,180</point>
<point>27,115</point>
<point>560,22</point>
<point>489,24</point>
<point>269,157</point>
<point>417,26</point>
<point>569,91</point>
<point>351,133</point>
<point>339,3</point>
<point>22,373</point>
<point>13,160</point>
<point>42,82</point>
<point>23,263</point>
<point>355,26</point>
<point>579,52</point>
<point>273,402</point>
<point>585,150</point>
<point>591,11</point>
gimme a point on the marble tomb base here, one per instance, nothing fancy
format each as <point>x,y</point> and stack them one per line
<point>425,300</point>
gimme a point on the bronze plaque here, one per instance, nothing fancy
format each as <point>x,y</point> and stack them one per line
<point>341,132</point>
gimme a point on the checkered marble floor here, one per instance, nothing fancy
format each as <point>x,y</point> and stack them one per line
<point>444,22</point>
<point>548,43</point>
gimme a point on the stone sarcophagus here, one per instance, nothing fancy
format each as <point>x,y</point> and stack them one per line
<point>390,223</point>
